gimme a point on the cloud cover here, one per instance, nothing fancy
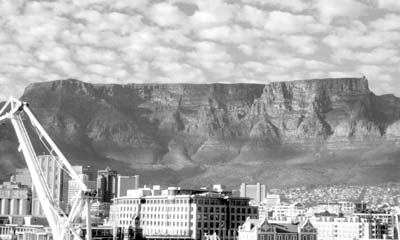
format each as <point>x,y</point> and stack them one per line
<point>200,41</point>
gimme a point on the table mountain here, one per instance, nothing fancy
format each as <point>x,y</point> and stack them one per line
<point>319,131</point>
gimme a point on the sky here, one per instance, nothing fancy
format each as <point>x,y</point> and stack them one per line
<point>198,41</point>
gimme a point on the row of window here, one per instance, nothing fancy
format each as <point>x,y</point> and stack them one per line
<point>169,208</point>
<point>165,224</point>
<point>167,201</point>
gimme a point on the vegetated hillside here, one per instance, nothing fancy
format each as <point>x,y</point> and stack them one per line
<point>319,131</point>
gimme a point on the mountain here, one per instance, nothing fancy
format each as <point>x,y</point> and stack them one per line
<point>319,131</point>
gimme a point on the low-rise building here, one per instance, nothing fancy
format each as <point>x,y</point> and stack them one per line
<point>348,228</point>
<point>388,218</point>
<point>292,211</point>
<point>182,214</point>
<point>261,229</point>
<point>15,199</point>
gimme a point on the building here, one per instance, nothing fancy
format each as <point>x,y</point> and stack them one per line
<point>255,192</point>
<point>15,199</point>
<point>291,211</point>
<point>126,183</point>
<point>23,176</point>
<point>10,232</point>
<point>332,208</point>
<point>271,200</point>
<point>261,229</point>
<point>74,189</point>
<point>106,184</point>
<point>87,170</point>
<point>388,218</point>
<point>52,172</point>
<point>181,213</point>
<point>348,228</point>
<point>349,208</point>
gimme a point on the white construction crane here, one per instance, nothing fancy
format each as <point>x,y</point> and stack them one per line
<point>63,226</point>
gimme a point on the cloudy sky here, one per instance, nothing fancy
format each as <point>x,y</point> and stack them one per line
<point>198,41</point>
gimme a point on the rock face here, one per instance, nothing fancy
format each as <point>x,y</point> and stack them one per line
<point>318,131</point>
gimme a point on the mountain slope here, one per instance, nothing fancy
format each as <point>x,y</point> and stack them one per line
<point>282,133</point>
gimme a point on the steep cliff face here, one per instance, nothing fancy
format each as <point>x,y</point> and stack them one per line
<point>291,132</point>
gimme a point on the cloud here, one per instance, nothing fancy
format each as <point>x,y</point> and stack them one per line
<point>230,34</point>
<point>389,22</point>
<point>181,72</point>
<point>303,44</point>
<point>287,23</point>
<point>125,41</point>
<point>165,14</point>
<point>358,34</point>
<point>212,13</point>
<point>329,10</point>
<point>291,5</point>
<point>391,5</point>
<point>377,55</point>
<point>252,15</point>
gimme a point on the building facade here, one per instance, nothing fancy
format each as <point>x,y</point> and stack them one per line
<point>126,183</point>
<point>256,192</point>
<point>388,218</point>
<point>106,185</point>
<point>52,172</point>
<point>87,170</point>
<point>23,176</point>
<point>182,214</point>
<point>261,229</point>
<point>348,228</point>
<point>15,199</point>
<point>292,211</point>
<point>74,189</point>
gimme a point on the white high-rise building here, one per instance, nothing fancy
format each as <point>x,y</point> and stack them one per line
<point>256,192</point>
<point>52,172</point>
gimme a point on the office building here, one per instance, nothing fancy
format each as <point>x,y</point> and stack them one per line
<point>181,213</point>
<point>255,192</point>
<point>126,183</point>
<point>106,185</point>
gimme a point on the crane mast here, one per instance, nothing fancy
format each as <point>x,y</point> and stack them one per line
<point>64,227</point>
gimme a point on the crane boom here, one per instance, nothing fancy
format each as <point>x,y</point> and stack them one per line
<point>62,225</point>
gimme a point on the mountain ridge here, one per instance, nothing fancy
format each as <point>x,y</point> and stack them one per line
<point>292,132</point>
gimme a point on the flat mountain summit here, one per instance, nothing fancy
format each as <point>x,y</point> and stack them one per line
<point>319,131</point>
